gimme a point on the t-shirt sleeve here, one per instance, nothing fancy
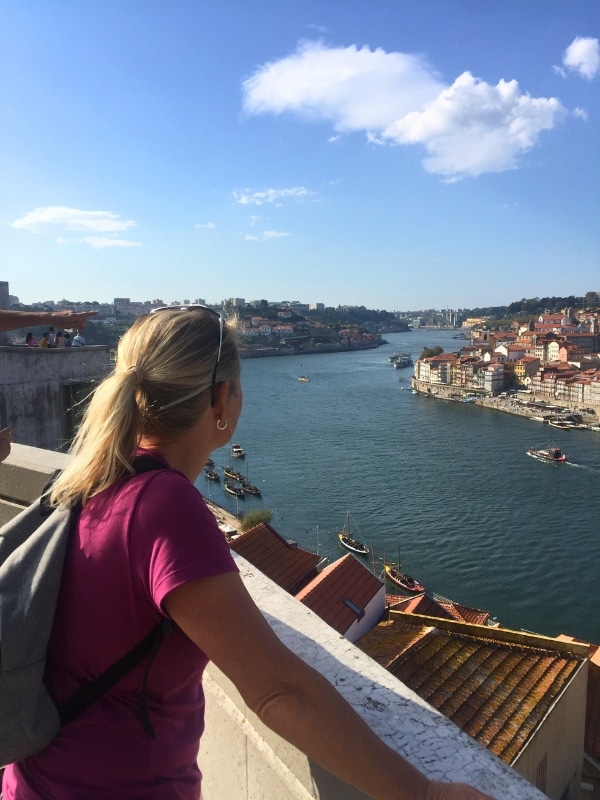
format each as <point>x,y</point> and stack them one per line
<point>174,538</point>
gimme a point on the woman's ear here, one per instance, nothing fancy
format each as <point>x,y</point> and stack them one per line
<point>222,390</point>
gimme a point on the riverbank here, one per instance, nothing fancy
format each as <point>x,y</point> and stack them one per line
<point>307,350</point>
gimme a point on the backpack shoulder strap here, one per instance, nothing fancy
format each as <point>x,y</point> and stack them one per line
<point>147,647</point>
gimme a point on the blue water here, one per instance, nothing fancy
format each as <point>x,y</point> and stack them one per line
<point>476,519</point>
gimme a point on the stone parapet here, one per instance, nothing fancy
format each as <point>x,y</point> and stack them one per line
<point>243,760</point>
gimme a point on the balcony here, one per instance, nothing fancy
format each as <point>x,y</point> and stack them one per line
<point>240,758</point>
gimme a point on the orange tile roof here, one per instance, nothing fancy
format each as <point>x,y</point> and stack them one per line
<point>496,691</point>
<point>286,564</point>
<point>346,579</point>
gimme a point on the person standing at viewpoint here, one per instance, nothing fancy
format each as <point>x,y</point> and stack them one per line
<point>146,544</point>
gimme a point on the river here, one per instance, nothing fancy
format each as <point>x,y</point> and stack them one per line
<point>475,518</point>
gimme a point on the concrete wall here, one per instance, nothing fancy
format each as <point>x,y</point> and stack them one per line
<point>559,740</point>
<point>39,389</point>
<point>241,759</point>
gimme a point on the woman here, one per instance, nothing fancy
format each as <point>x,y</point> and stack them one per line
<point>146,547</point>
<point>30,340</point>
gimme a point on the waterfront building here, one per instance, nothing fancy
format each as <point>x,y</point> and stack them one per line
<point>521,696</point>
<point>347,596</point>
<point>283,562</point>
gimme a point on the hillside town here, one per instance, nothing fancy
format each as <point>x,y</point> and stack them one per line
<point>555,357</point>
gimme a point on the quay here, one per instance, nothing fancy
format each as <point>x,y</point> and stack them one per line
<point>521,404</point>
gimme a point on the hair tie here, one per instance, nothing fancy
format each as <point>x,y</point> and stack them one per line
<point>139,375</point>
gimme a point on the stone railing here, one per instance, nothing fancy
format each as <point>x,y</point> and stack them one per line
<point>240,758</point>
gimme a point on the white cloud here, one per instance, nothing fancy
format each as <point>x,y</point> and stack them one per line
<point>71,219</point>
<point>581,113</point>
<point>467,129</point>
<point>332,139</point>
<point>254,219</point>
<point>265,236</point>
<point>583,56</point>
<point>247,198</point>
<point>473,127</point>
<point>99,242</point>
<point>205,226</point>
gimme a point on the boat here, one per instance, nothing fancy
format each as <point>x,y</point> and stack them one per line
<point>210,462</point>
<point>231,488</point>
<point>403,360</point>
<point>551,455</point>
<point>349,541</point>
<point>249,488</point>
<point>212,475</point>
<point>233,474</point>
<point>237,451</point>
<point>304,378</point>
<point>401,579</point>
<point>559,423</point>
<point>395,574</point>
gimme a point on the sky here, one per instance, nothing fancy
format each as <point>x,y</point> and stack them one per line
<point>396,154</point>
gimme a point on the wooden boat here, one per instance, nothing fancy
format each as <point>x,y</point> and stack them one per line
<point>237,451</point>
<point>551,455</point>
<point>231,488</point>
<point>349,541</point>
<point>233,474</point>
<point>249,488</point>
<point>212,475</point>
<point>402,579</point>
<point>557,423</point>
<point>210,462</point>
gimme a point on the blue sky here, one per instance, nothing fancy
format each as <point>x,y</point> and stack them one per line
<point>390,153</point>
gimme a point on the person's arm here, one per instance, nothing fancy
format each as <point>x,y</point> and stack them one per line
<point>5,442</point>
<point>294,700</point>
<point>11,320</point>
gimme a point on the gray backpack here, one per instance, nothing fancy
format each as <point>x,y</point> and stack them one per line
<point>32,553</point>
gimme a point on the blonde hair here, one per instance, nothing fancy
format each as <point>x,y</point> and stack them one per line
<point>162,382</point>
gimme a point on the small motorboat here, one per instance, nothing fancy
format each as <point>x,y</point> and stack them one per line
<point>237,451</point>
<point>304,378</point>
<point>551,455</point>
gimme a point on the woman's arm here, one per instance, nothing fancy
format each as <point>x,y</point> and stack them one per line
<point>294,700</point>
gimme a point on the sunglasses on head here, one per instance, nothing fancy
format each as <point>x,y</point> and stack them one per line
<point>212,313</point>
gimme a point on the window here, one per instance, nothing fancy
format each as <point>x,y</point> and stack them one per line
<point>540,774</point>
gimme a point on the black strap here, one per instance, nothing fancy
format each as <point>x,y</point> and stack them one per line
<point>147,647</point>
<point>90,692</point>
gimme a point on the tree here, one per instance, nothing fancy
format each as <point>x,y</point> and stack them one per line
<point>430,352</point>
<point>253,518</point>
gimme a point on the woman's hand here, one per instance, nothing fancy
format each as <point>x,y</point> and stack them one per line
<point>5,441</point>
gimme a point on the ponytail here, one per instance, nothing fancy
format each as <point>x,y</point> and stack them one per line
<point>161,384</point>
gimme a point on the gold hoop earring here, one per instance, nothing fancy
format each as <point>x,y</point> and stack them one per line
<point>222,427</point>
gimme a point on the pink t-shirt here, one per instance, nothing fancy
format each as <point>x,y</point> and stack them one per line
<point>135,542</point>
